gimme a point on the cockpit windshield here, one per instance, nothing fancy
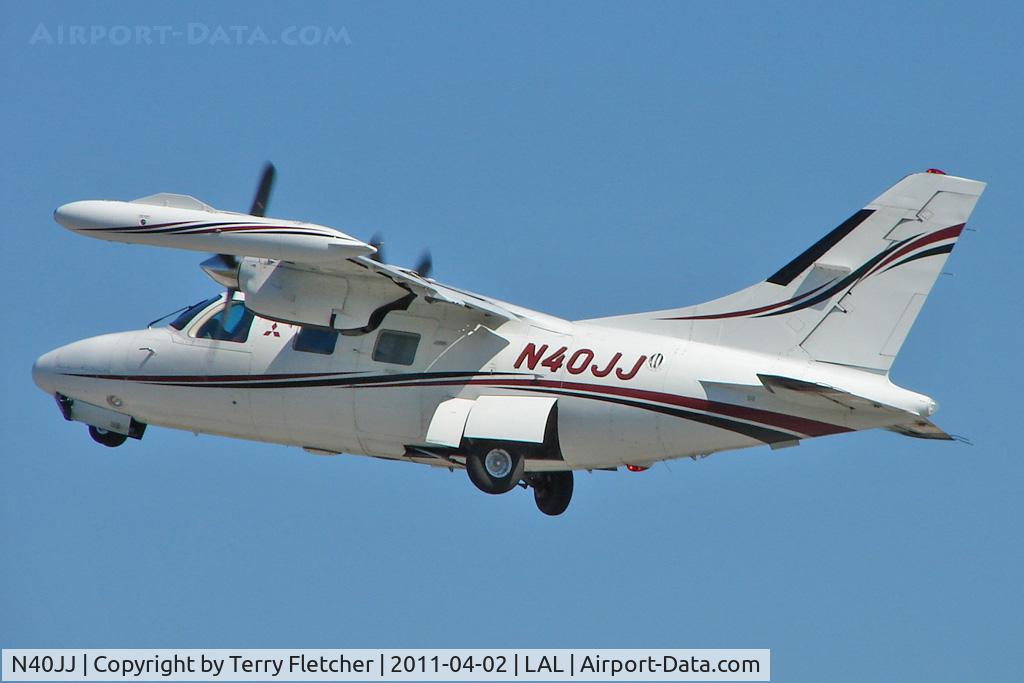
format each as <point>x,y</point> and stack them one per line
<point>191,312</point>
<point>233,327</point>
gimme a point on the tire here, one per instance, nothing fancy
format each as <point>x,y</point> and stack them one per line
<point>495,470</point>
<point>106,437</point>
<point>552,491</point>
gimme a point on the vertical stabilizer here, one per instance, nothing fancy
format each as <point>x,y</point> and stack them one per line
<point>852,296</point>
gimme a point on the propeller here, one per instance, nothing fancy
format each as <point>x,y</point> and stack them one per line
<point>377,242</point>
<point>425,265</point>
<point>224,267</point>
<point>259,202</point>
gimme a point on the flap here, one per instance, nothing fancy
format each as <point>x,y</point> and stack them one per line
<point>510,418</point>
<point>449,422</point>
<point>410,280</point>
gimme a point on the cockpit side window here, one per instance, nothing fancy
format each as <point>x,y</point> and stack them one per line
<point>233,329</point>
<point>191,312</point>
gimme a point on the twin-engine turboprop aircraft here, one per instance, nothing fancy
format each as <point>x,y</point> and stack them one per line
<point>318,343</point>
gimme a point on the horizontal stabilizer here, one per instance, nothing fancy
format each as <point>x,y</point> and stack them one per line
<point>921,428</point>
<point>778,384</point>
<point>876,397</point>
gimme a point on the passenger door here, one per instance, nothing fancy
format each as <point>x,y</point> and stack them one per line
<point>399,351</point>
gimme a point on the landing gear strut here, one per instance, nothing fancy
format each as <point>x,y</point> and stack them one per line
<point>552,491</point>
<point>499,468</point>
<point>495,470</point>
<point>106,437</point>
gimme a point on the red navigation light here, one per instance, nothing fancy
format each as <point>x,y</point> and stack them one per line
<point>936,171</point>
<point>635,468</point>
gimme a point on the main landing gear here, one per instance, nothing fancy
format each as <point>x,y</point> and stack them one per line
<point>500,469</point>
<point>552,491</point>
<point>495,470</point>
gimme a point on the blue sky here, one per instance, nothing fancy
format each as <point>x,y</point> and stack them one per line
<point>582,159</point>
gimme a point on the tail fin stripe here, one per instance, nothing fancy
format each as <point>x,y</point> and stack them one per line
<point>788,272</point>
<point>951,232</point>
<point>934,251</point>
<point>806,299</point>
<point>751,311</point>
<point>847,282</point>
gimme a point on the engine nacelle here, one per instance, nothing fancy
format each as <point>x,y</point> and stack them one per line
<point>279,291</point>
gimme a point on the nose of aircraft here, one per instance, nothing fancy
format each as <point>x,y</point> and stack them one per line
<point>70,368</point>
<point>44,372</point>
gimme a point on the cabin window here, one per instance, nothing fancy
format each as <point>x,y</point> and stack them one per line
<point>316,340</point>
<point>396,347</point>
<point>233,329</point>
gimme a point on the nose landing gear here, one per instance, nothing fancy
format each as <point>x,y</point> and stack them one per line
<point>106,437</point>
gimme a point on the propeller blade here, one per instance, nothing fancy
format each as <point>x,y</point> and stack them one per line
<point>377,242</point>
<point>425,265</point>
<point>259,202</point>
<point>226,312</point>
<point>223,268</point>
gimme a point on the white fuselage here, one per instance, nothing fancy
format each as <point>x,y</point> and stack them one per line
<point>623,397</point>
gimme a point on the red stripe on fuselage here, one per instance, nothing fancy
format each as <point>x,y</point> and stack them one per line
<point>791,423</point>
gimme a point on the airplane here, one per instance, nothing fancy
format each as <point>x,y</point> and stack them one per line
<point>317,342</point>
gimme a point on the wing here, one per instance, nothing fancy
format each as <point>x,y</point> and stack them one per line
<point>289,271</point>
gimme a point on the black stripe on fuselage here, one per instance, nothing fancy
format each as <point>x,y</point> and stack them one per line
<point>313,380</point>
<point>408,380</point>
<point>756,432</point>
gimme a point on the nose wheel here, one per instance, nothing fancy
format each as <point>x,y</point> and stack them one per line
<point>106,437</point>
